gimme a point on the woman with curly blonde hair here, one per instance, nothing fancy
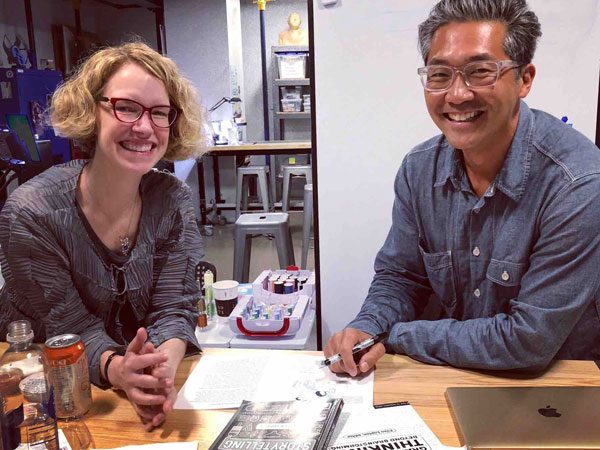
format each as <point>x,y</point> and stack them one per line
<point>106,248</point>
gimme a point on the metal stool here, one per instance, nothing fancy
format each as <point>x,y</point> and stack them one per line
<point>307,222</point>
<point>241,192</point>
<point>289,171</point>
<point>247,225</point>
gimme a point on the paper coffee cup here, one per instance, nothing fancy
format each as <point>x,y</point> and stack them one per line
<point>226,294</point>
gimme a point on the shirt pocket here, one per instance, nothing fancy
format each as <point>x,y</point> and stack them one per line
<point>440,273</point>
<point>506,278</point>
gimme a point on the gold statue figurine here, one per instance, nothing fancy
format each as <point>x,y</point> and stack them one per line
<point>294,35</point>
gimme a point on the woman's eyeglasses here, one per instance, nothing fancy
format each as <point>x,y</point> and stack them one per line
<point>129,111</point>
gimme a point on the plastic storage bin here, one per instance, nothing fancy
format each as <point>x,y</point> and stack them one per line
<point>292,65</point>
<point>291,105</point>
<point>291,92</point>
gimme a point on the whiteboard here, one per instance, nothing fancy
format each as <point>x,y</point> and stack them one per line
<point>370,112</point>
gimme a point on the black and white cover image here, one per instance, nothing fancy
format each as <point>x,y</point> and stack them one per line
<point>392,426</point>
<point>289,425</point>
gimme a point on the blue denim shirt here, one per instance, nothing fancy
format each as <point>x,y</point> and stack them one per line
<point>516,271</point>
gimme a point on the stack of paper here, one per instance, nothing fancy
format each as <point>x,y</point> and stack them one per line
<point>219,382</point>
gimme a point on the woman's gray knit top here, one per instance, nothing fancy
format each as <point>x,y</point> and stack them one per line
<point>57,279</point>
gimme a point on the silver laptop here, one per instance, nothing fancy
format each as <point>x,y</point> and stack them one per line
<point>527,417</point>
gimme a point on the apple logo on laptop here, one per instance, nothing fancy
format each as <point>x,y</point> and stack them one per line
<point>549,412</point>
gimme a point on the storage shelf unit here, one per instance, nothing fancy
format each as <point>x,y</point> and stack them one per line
<point>298,123</point>
<point>279,117</point>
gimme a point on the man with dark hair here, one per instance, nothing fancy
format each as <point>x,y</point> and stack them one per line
<point>497,220</point>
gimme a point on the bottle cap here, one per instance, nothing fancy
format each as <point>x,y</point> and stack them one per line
<point>208,278</point>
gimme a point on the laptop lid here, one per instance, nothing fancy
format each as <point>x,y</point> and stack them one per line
<point>527,417</point>
<point>19,123</point>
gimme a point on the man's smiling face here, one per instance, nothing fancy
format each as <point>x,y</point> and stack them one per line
<point>475,119</point>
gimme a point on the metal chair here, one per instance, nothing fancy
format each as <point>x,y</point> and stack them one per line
<point>241,192</point>
<point>249,225</point>
<point>290,171</point>
<point>307,222</point>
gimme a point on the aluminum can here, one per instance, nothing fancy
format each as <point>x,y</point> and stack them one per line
<point>68,374</point>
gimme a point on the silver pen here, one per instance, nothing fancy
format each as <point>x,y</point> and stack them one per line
<point>357,348</point>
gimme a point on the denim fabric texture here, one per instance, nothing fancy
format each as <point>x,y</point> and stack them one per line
<point>515,272</point>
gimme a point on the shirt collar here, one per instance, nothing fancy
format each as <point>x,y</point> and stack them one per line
<point>513,175</point>
<point>450,166</point>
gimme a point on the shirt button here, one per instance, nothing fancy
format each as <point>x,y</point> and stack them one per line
<point>505,276</point>
<point>476,251</point>
<point>477,293</point>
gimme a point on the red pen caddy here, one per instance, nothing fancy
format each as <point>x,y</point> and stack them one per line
<point>293,307</point>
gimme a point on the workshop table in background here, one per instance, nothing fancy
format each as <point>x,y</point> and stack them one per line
<point>270,148</point>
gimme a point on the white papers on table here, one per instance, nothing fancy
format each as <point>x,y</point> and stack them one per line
<point>165,446</point>
<point>388,427</point>
<point>223,381</point>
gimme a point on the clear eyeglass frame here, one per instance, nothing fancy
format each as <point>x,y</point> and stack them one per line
<point>129,111</point>
<point>475,74</point>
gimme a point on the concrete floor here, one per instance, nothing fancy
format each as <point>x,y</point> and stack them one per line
<point>219,249</point>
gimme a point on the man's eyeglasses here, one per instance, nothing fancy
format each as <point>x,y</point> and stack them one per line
<point>130,111</point>
<point>438,78</point>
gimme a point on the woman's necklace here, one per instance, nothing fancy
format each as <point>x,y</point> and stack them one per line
<point>124,240</point>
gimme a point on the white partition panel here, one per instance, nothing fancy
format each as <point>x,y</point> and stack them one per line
<point>370,112</point>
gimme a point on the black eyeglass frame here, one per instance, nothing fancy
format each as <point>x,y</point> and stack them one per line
<point>500,67</point>
<point>114,100</point>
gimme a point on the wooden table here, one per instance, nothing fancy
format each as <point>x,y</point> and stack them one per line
<point>112,420</point>
<point>262,148</point>
<point>244,149</point>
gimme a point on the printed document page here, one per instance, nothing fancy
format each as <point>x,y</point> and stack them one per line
<point>223,381</point>
<point>394,426</point>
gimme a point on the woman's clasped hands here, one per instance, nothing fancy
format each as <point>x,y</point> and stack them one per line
<point>147,378</point>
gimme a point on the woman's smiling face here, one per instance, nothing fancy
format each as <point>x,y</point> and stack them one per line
<point>138,146</point>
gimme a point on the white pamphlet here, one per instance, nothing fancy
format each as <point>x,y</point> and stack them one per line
<point>394,426</point>
<point>223,381</point>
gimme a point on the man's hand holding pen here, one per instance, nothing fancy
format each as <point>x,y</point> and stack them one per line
<point>354,359</point>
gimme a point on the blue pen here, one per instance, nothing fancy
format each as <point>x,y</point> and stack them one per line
<point>357,348</point>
